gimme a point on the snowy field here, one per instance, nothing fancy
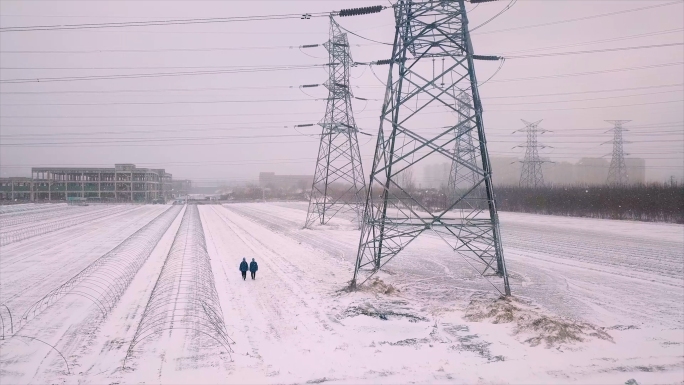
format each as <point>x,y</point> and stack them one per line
<point>152,294</point>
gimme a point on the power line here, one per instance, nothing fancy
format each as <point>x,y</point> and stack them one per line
<point>594,107</point>
<point>160,22</point>
<point>161,103</point>
<point>591,42</point>
<point>595,51</point>
<point>580,18</point>
<point>582,92</point>
<point>509,6</point>
<point>226,67</point>
<point>590,72</point>
<point>299,67</point>
<point>242,126</point>
<point>305,100</point>
<point>312,99</point>
<point>161,74</point>
<point>365,38</point>
<point>97,51</point>
<point>584,99</point>
<point>148,23</point>
<point>165,90</point>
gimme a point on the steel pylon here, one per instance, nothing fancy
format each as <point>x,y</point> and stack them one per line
<point>531,174</point>
<point>462,178</point>
<point>421,95</point>
<point>338,183</point>
<point>617,173</point>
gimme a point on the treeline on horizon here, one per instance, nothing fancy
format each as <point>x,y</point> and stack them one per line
<point>643,202</point>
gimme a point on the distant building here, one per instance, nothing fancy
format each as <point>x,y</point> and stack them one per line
<point>122,183</point>
<point>591,171</point>
<point>181,187</point>
<point>16,188</point>
<point>505,171</point>
<point>288,182</point>
<point>636,170</point>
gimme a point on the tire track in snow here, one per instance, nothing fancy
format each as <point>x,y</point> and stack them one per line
<point>243,320</point>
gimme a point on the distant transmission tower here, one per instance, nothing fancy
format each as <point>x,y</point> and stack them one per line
<point>617,173</point>
<point>431,66</point>
<point>461,177</point>
<point>338,183</point>
<point>531,175</point>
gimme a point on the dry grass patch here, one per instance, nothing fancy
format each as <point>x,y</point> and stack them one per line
<point>532,324</point>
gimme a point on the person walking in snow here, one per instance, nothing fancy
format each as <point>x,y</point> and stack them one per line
<point>253,267</point>
<point>243,268</point>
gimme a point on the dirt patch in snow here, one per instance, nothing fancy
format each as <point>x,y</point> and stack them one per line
<point>531,323</point>
<point>378,286</point>
<point>383,314</point>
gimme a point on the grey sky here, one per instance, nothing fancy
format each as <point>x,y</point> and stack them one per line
<point>215,133</point>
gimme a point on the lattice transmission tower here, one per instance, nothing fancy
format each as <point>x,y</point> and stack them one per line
<point>462,178</point>
<point>617,173</point>
<point>338,183</point>
<point>422,94</point>
<point>531,174</point>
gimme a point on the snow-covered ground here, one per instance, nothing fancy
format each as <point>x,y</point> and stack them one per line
<point>595,301</point>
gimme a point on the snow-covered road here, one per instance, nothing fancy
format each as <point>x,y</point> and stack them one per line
<point>296,324</point>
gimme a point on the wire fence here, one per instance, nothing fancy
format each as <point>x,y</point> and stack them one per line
<point>59,222</point>
<point>24,207</point>
<point>106,279</point>
<point>184,296</point>
<point>22,217</point>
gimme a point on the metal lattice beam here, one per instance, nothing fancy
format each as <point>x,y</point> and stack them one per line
<point>419,87</point>
<point>338,183</point>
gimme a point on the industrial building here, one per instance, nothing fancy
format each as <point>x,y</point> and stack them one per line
<point>122,183</point>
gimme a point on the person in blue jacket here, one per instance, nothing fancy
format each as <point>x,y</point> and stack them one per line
<point>243,268</point>
<point>253,267</point>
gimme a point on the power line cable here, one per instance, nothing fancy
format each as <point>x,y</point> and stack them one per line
<point>659,129</point>
<point>595,51</point>
<point>509,6</point>
<point>161,74</point>
<point>159,50</point>
<point>162,103</point>
<point>580,18</point>
<point>161,22</point>
<point>594,107</point>
<point>312,98</point>
<point>662,65</point>
<point>592,42</point>
<point>364,38</point>
<point>166,90</point>
<point>300,67</point>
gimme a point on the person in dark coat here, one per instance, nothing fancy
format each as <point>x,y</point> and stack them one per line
<point>243,268</point>
<point>253,267</point>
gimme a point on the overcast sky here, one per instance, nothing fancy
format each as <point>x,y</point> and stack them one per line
<point>230,126</point>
